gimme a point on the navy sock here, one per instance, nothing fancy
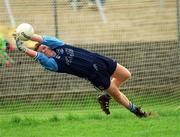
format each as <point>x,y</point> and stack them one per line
<point>132,107</point>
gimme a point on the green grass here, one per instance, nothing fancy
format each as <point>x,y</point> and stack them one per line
<point>121,123</point>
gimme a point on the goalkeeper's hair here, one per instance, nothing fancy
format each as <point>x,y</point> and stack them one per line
<point>36,46</point>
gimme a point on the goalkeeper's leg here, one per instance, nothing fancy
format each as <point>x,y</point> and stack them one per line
<point>123,100</point>
<point>121,75</point>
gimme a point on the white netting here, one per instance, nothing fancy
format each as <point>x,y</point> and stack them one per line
<point>139,34</point>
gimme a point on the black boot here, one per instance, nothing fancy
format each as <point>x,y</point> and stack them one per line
<point>139,113</point>
<point>104,102</point>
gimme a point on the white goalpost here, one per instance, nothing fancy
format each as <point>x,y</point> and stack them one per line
<point>10,14</point>
<point>101,11</point>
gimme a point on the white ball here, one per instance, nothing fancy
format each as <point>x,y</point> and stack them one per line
<point>25,31</point>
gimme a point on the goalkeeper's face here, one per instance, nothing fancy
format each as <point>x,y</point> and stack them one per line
<point>46,50</point>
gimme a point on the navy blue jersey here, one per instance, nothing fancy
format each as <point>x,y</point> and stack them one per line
<point>82,63</point>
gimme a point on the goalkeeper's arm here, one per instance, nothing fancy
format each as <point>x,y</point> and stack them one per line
<point>46,62</point>
<point>51,42</point>
<point>37,38</point>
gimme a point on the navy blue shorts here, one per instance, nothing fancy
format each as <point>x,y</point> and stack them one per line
<point>103,68</point>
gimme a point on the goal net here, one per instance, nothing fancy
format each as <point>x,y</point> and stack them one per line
<point>141,35</point>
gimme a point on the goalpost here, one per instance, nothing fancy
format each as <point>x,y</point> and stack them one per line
<point>138,34</point>
<point>10,14</point>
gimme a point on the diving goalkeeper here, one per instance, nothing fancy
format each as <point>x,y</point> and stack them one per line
<point>104,73</point>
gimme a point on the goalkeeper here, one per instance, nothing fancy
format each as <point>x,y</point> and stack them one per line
<point>104,73</point>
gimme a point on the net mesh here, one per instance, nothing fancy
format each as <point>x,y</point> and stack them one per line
<point>140,34</point>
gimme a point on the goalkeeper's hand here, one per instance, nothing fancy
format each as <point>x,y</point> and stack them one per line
<point>19,43</point>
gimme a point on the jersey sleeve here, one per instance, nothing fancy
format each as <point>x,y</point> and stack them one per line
<point>52,42</point>
<point>46,62</point>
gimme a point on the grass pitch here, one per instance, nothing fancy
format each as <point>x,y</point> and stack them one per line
<point>121,123</point>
